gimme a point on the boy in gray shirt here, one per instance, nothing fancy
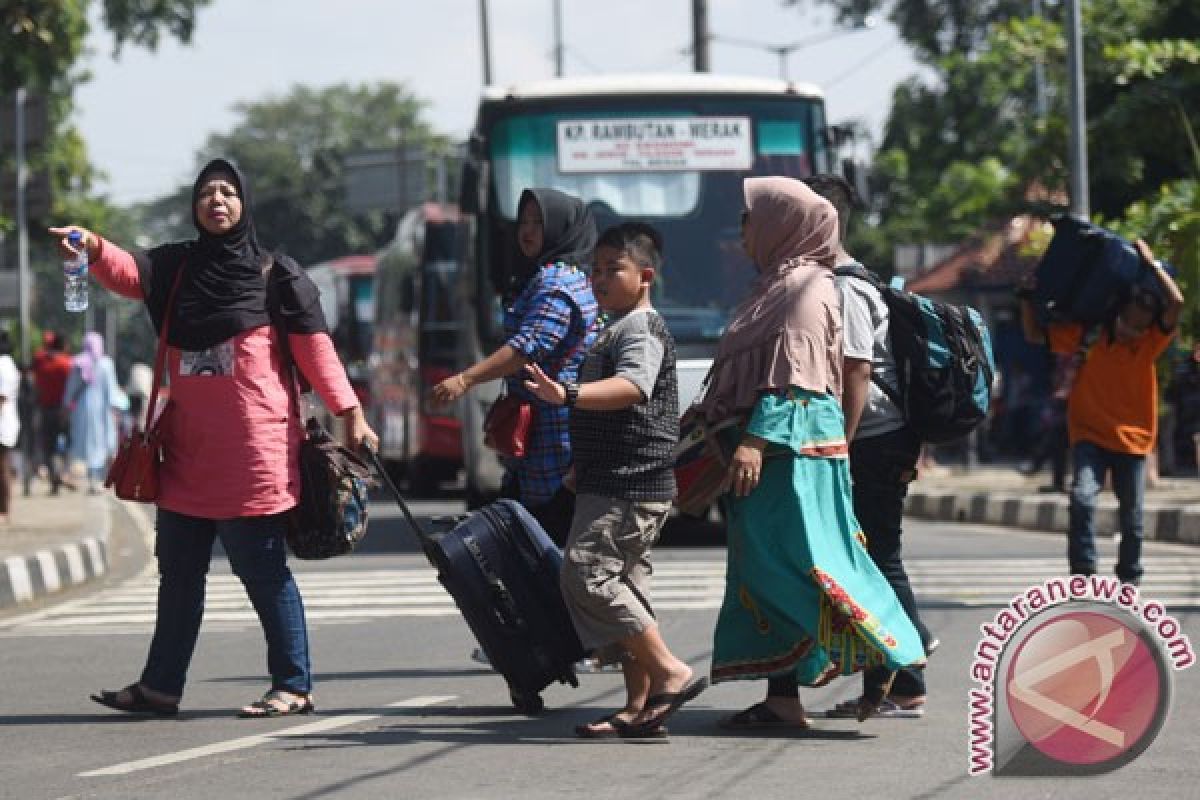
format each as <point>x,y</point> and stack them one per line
<point>624,426</point>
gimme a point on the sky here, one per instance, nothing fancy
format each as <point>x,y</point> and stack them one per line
<point>145,115</point>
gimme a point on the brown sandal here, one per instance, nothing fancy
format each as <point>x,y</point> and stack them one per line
<point>138,702</point>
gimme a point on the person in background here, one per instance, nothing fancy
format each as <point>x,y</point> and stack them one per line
<point>1184,396</point>
<point>27,415</point>
<point>1112,409</point>
<point>883,449</point>
<point>138,389</point>
<point>51,367</point>
<point>549,320</point>
<point>231,437</point>
<point>803,602</point>
<point>10,423</point>
<point>1052,443</point>
<point>92,398</point>
<point>624,427</point>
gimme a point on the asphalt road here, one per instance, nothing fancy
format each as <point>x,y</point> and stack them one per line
<point>404,712</point>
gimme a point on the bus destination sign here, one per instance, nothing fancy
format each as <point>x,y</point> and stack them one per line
<point>655,144</point>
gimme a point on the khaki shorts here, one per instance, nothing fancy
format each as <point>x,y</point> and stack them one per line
<point>606,569</point>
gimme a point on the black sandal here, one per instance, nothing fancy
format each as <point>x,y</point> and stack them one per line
<point>266,707</point>
<point>619,729</point>
<point>759,717</point>
<point>139,703</point>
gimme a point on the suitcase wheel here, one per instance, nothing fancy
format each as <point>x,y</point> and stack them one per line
<point>528,704</point>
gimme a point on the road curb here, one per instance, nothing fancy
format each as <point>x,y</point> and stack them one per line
<point>1179,524</point>
<point>25,579</point>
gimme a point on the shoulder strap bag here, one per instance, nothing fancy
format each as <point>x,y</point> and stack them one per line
<point>331,517</point>
<point>508,426</point>
<point>133,474</point>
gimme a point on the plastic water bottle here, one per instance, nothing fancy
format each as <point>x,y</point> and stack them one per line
<point>75,275</point>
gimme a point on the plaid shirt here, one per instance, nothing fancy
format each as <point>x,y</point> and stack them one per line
<point>552,319</point>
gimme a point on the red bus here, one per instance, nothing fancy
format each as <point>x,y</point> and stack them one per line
<point>415,346</point>
<point>347,287</point>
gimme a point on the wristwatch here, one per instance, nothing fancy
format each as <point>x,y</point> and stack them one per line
<point>572,390</point>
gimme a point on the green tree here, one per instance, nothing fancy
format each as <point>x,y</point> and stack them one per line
<point>292,150</point>
<point>42,43</point>
<point>968,146</point>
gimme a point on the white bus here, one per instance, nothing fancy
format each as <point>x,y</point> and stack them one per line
<point>670,150</point>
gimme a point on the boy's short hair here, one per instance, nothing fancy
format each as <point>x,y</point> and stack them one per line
<point>841,195</point>
<point>641,242</point>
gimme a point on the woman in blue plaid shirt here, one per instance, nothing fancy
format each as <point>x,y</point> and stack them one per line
<point>550,319</point>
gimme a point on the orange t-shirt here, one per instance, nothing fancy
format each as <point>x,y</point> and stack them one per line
<point>1114,400</point>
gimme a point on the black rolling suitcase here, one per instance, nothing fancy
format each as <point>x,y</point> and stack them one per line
<point>502,571</point>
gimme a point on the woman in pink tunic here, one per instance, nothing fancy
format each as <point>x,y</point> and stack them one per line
<point>232,433</point>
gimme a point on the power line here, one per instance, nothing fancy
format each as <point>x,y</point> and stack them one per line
<point>871,57</point>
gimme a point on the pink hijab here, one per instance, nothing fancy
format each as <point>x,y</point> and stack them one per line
<point>93,351</point>
<point>789,331</point>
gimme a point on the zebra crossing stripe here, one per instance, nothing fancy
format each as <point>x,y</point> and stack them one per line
<point>244,742</point>
<point>347,596</point>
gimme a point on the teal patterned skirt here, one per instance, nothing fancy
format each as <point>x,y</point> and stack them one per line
<point>802,595</point>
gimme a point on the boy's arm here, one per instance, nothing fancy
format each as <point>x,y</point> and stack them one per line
<point>638,358</point>
<point>610,394</point>
<point>1174,297</point>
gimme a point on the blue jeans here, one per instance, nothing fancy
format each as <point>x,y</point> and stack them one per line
<point>1091,464</point>
<point>257,554</point>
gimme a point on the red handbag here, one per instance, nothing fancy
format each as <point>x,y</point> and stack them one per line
<point>508,426</point>
<point>133,474</point>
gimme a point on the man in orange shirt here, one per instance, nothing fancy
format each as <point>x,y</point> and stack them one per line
<point>1112,411</point>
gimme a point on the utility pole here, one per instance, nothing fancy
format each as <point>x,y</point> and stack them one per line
<point>700,36</point>
<point>558,39</point>
<point>23,277</point>
<point>487,46</point>
<point>1079,173</point>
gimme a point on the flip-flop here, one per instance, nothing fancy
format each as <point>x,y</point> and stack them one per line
<point>673,701</point>
<point>619,729</point>
<point>588,730</point>
<point>758,717</point>
<point>264,708</point>
<point>139,703</point>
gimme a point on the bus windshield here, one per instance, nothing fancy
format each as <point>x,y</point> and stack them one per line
<point>677,163</point>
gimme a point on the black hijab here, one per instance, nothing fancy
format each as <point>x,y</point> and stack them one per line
<point>568,233</point>
<point>223,290</point>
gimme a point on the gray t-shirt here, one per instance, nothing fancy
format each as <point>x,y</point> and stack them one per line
<point>636,351</point>
<point>865,337</point>
<point>629,453</point>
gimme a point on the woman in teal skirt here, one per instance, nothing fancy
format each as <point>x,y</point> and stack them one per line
<point>803,601</point>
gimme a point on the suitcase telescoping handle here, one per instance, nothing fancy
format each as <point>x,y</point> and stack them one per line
<point>418,531</point>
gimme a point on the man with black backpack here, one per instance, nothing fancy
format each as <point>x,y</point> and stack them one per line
<point>1112,406</point>
<point>883,447</point>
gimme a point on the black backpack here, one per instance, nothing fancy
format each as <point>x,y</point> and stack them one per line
<point>944,365</point>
